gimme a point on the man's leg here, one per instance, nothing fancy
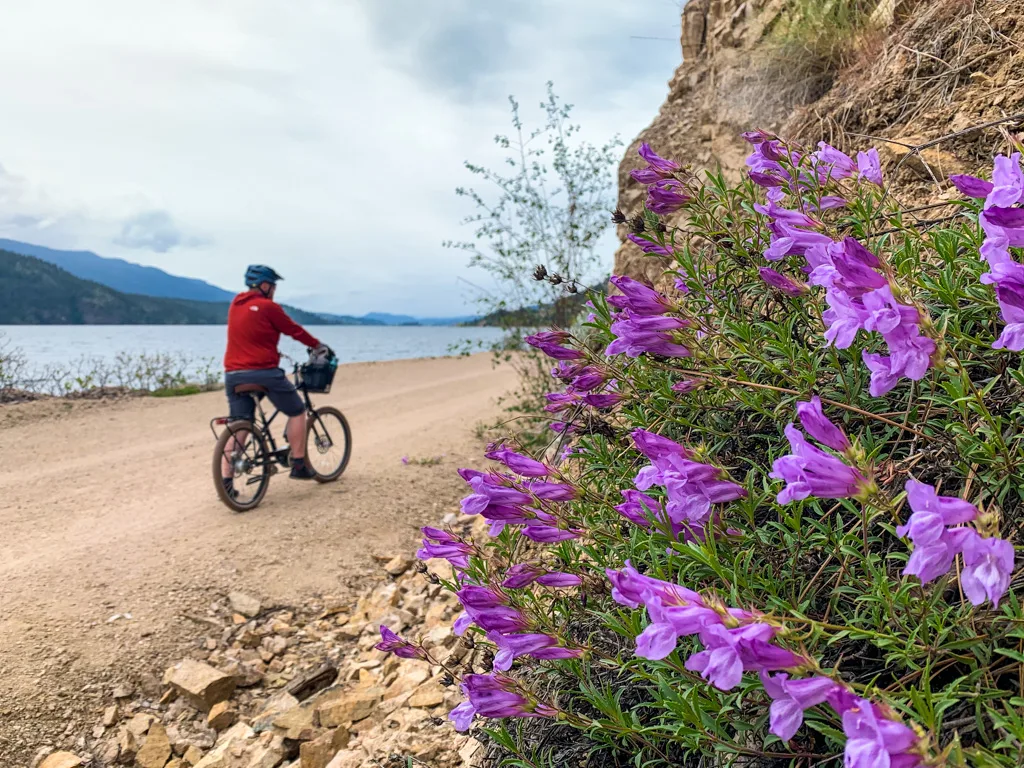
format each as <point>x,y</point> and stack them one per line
<point>283,395</point>
<point>296,431</point>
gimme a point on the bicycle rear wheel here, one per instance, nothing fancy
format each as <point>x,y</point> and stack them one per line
<point>328,443</point>
<point>242,446</point>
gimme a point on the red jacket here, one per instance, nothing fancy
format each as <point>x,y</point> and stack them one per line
<point>255,325</point>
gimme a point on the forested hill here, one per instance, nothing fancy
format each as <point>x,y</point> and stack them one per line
<point>34,292</point>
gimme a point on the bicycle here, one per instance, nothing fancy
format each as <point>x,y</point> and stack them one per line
<point>245,445</point>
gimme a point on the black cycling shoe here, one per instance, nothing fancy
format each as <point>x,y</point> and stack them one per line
<point>229,487</point>
<point>301,470</point>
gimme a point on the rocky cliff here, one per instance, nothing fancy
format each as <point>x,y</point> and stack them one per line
<point>897,74</point>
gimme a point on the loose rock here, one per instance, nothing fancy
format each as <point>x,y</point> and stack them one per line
<point>247,605</point>
<point>200,683</point>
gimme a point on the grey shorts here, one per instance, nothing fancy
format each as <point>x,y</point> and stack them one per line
<point>280,390</point>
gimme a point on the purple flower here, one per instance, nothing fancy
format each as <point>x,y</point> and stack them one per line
<point>640,508</point>
<point>521,575</point>
<point>787,285</point>
<point>489,609</point>
<point>648,246</point>
<point>606,400</point>
<point>1007,182</point>
<point>668,196</point>
<point>656,447</point>
<point>631,588</point>
<point>873,741</point>
<point>813,420</point>
<point>444,545</point>
<point>869,166</point>
<point>548,534</point>
<point>518,463</point>
<point>829,162</point>
<point>731,652</point>
<point>550,491</point>
<point>511,647</point>
<point>559,579</point>
<point>929,528</point>
<point>972,186</point>
<point>561,401</point>
<point>405,460</point>
<point>496,696</point>
<point>988,565</point>
<point>686,385</point>
<point>809,471</point>
<point>658,168</point>
<point>588,379</point>
<point>392,643</point>
<point>550,343</point>
<point>791,698</point>
<point>492,499</point>
<point>637,297</point>
<point>668,624</point>
<point>637,335</point>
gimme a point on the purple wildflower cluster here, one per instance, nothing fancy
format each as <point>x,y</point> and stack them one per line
<point>642,324</point>
<point>495,695</point>
<point>1003,225</point>
<point>776,166</point>
<point>858,295</point>
<point>522,497</point>
<point>552,344</point>
<point>691,489</point>
<point>736,641</point>
<point>810,471</point>
<point>665,181</point>
<point>937,531</point>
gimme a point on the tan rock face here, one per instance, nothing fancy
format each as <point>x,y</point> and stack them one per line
<point>353,708</point>
<point>200,683</point>
<point>222,715</point>
<point>156,751</point>
<point>61,760</point>
<point>319,752</point>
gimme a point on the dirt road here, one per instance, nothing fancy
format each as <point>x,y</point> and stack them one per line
<point>108,509</point>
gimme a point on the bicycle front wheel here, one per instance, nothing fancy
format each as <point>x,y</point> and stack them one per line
<point>328,443</point>
<point>241,454</point>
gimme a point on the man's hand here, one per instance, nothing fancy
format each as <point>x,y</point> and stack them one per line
<point>322,350</point>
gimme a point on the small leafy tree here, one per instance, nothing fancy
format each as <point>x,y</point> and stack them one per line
<point>550,208</point>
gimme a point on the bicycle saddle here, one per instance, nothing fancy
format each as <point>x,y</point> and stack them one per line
<point>250,389</point>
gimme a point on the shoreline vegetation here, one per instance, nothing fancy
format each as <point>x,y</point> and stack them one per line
<point>128,374</point>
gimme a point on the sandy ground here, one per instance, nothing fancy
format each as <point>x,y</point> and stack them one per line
<point>109,508</point>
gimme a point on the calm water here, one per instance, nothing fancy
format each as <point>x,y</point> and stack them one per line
<point>49,344</point>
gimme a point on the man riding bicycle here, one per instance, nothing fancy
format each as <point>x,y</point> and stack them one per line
<point>255,325</point>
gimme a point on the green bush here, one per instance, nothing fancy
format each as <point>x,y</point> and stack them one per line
<point>809,581</point>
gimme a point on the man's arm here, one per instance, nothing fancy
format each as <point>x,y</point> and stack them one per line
<point>281,322</point>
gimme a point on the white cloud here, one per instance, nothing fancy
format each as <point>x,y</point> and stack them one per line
<point>325,138</point>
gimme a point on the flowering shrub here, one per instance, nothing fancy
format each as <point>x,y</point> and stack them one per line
<point>690,578</point>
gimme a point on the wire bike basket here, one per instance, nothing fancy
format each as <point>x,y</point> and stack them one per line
<point>318,375</point>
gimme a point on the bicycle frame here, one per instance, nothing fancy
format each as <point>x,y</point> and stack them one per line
<point>261,423</point>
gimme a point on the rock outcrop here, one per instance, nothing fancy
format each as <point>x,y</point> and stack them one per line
<point>913,72</point>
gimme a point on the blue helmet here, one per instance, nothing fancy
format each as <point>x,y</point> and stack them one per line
<point>256,274</point>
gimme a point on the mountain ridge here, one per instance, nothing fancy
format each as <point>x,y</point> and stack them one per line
<point>36,292</point>
<point>136,279</point>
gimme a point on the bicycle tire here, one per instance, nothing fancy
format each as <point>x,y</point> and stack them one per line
<point>218,452</point>
<point>319,413</point>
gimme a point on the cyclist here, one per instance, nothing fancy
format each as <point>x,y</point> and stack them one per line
<point>255,325</point>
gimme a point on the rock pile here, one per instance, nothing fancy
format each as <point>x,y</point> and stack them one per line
<point>286,687</point>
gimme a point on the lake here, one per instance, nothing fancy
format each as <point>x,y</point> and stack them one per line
<point>45,345</point>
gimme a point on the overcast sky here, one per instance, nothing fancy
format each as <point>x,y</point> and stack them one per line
<point>323,137</point>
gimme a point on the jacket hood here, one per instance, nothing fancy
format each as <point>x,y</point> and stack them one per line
<point>248,296</point>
